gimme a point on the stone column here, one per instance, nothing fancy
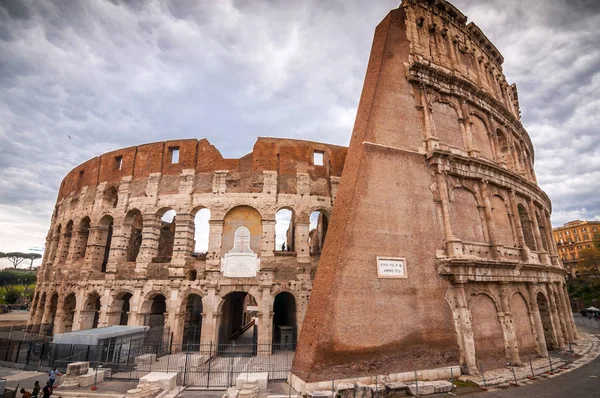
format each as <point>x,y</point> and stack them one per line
<point>150,237</point>
<point>565,312</point>
<point>432,142</point>
<point>543,255</point>
<point>265,316</point>
<point>209,317</point>
<point>63,247</point>
<point>463,319</point>
<point>551,243</point>
<point>556,320</point>
<point>184,237</point>
<point>569,314</point>
<point>267,241</point>
<point>517,221</point>
<point>59,316</point>
<point>79,304</point>
<point>104,306</point>
<point>537,322</point>
<point>487,206</point>
<point>453,244</point>
<point>119,245</point>
<point>135,306</point>
<point>215,235</point>
<point>510,336</point>
<point>301,241</point>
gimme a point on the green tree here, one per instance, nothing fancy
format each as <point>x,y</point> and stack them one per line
<point>11,297</point>
<point>589,261</point>
<point>32,257</point>
<point>15,258</point>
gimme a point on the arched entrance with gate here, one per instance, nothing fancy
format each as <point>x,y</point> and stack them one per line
<point>236,323</point>
<point>284,322</point>
<point>192,325</point>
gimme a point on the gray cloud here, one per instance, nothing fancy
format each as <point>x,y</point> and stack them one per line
<point>117,73</point>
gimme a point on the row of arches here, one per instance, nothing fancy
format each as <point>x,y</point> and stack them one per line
<point>495,218</point>
<point>72,244</point>
<point>451,127</point>
<point>237,310</point>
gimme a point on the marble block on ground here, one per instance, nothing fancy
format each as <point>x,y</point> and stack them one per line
<point>77,368</point>
<point>166,380</point>
<point>88,378</point>
<point>319,394</point>
<point>424,388</point>
<point>260,378</point>
<point>441,386</point>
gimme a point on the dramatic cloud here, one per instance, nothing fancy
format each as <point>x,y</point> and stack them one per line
<point>80,78</point>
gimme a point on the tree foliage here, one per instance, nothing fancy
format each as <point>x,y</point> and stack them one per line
<point>10,278</point>
<point>16,258</point>
<point>589,261</point>
<point>11,297</point>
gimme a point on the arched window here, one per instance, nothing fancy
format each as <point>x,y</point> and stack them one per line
<point>69,312</point>
<point>242,216</point>
<point>105,239</point>
<point>504,150</point>
<point>201,232</point>
<point>502,225</point>
<point>83,233</point>
<point>111,197</point>
<point>542,229</point>
<point>526,226</point>
<point>167,234</point>
<point>135,223</point>
<point>66,243</point>
<point>319,223</point>
<point>284,230</point>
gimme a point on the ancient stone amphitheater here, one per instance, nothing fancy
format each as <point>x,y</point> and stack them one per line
<point>439,251</point>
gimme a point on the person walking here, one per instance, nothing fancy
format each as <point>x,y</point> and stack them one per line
<point>36,389</point>
<point>53,374</point>
<point>47,390</point>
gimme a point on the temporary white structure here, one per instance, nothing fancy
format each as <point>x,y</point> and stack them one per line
<point>592,309</point>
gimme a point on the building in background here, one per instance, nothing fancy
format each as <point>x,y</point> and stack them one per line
<point>572,238</point>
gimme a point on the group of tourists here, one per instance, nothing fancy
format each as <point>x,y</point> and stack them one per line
<point>45,392</point>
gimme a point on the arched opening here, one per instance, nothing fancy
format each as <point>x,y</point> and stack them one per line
<point>125,308</point>
<point>166,239</point>
<point>542,229</point>
<point>192,327</point>
<point>105,232</point>
<point>502,225</point>
<point>237,319</point>
<point>446,125</point>
<point>83,233</point>
<point>520,166</point>
<point>504,150</point>
<point>526,227</point>
<point>55,243</point>
<point>318,225</point>
<point>201,233</point>
<point>487,332</point>
<point>66,243</point>
<point>135,223</point>
<point>69,312</point>
<point>111,197</point>
<point>284,230</point>
<point>481,138</point>
<point>546,317</point>
<point>90,315</point>
<point>467,219</point>
<point>154,312</point>
<point>284,322</point>
<point>39,314</point>
<point>523,327</point>
<point>242,216</point>
<point>49,325</point>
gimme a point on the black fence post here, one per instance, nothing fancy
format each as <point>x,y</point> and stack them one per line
<point>209,364</point>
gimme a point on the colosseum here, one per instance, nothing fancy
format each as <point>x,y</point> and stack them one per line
<point>439,251</point>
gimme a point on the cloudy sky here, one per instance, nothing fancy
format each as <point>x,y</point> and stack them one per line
<point>79,78</point>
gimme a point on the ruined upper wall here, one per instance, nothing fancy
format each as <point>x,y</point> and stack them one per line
<point>441,38</point>
<point>285,156</point>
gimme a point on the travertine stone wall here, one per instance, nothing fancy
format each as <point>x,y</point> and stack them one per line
<point>439,172</point>
<point>107,244</point>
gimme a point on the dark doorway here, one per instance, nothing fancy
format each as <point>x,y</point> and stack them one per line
<point>192,328</point>
<point>284,322</point>
<point>236,323</point>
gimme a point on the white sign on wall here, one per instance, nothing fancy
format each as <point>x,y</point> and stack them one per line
<point>391,267</point>
<point>241,261</point>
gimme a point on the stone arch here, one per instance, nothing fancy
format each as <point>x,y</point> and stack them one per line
<point>546,317</point>
<point>522,321</point>
<point>487,331</point>
<point>285,223</point>
<point>82,237</point>
<point>65,244</point>
<point>503,149</point>
<point>234,318</point>
<point>318,226</point>
<point>49,323</point>
<point>154,309</point>
<point>201,230</point>
<point>542,229</point>
<point>242,216</point>
<point>284,321</point>
<point>445,119</point>
<point>103,242</point>
<point>502,222</point>
<point>133,227</point>
<point>166,240</point>
<point>526,226</point>
<point>69,306</point>
<point>111,197</point>
<point>192,309</point>
<point>481,136</point>
<point>55,242</point>
<point>467,220</point>
<point>90,314</point>
<point>120,308</point>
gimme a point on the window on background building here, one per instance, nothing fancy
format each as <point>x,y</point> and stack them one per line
<point>596,236</point>
<point>174,151</point>
<point>586,237</point>
<point>570,249</point>
<point>318,158</point>
<point>595,229</point>
<point>572,256</point>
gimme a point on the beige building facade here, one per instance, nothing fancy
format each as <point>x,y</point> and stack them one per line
<point>574,237</point>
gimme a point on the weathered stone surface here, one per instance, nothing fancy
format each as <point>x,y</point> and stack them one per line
<point>77,368</point>
<point>422,388</point>
<point>260,379</point>
<point>441,386</point>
